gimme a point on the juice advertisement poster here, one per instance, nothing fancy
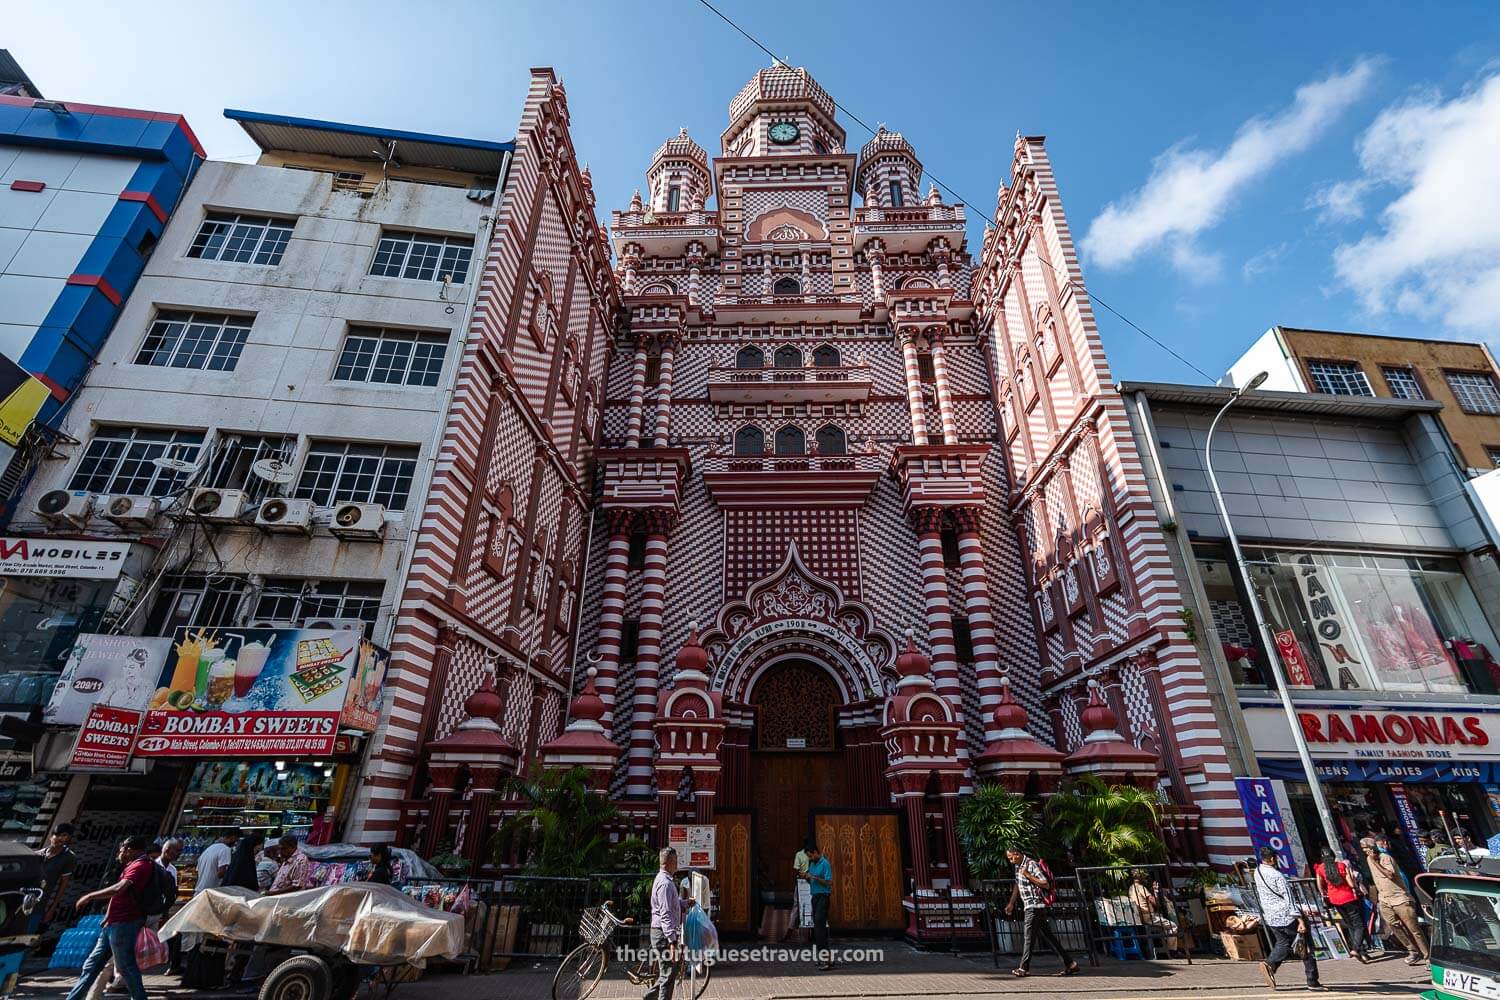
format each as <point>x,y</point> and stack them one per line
<point>250,691</point>
<point>362,709</point>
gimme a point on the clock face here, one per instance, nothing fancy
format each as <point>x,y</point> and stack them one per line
<point>783,133</point>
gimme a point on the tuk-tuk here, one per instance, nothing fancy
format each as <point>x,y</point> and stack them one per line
<point>20,892</point>
<point>1463,900</point>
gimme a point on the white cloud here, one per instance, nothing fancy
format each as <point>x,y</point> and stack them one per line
<point>1263,261</point>
<point>1189,190</point>
<point>1436,251</point>
<point>1342,201</point>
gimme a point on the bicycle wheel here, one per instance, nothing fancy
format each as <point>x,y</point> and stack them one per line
<point>579,974</point>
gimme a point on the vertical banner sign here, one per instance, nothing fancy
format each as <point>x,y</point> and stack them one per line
<point>1294,837</point>
<point>1298,673</point>
<point>1409,823</point>
<point>106,739</point>
<point>1263,817</point>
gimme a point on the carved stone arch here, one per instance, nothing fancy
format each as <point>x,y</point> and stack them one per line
<point>759,229</point>
<point>911,281</point>
<point>659,287</point>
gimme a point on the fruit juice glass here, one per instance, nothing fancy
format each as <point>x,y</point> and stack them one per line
<point>247,668</point>
<point>207,660</point>
<point>185,674</point>
<point>220,683</point>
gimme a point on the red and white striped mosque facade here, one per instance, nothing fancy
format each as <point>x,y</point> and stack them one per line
<point>868,526</point>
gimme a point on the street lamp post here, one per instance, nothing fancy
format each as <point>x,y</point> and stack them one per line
<point>1273,654</point>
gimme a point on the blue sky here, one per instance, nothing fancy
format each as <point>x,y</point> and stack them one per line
<point>1331,165</point>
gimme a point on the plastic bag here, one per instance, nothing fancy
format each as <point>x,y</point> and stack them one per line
<point>699,932</point>
<point>150,952</point>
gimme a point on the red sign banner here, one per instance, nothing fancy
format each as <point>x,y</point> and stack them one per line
<point>1298,673</point>
<point>242,734</point>
<point>106,739</point>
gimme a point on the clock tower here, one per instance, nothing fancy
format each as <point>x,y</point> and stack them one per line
<point>782,112</point>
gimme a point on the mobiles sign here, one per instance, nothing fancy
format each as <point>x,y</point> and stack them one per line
<point>82,559</point>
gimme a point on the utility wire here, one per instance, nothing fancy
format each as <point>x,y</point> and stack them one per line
<point>960,198</point>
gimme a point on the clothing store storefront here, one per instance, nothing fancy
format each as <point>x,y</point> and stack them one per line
<point>1395,768</point>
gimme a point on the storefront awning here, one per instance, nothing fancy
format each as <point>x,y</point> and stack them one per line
<point>1415,772</point>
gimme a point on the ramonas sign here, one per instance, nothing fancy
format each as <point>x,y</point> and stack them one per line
<point>1378,734</point>
<point>1400,729</point>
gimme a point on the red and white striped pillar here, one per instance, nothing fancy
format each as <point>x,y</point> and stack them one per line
<point>637,396</point>
<point>664,394</point>
<point>909,788</point>
<point>657,521</point>
<point>981,619</point>
<point>612,608</point>
<point>914,387</point>
<point>945,400</point>
<point>929,524</point>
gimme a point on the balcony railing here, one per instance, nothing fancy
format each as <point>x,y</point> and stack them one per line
<point>844,383</point>
<point>909,216</point>
<point>862,462</point>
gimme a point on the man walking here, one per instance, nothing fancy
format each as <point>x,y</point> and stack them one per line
<point>1336,882</point>
<point>819,878</point>
<point>1031,890</point>
<point>1396,906</point>
<point>667,908</point>
<point>804,887</point>
<point>58,862</point>
<point>123,919</point>
<point>1284,920</point>
<point>213,862</point>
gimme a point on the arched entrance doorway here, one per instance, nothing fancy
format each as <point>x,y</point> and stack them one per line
<point>796,763</point>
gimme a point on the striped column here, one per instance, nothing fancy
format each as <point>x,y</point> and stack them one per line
<point>612,608</point>
<point>914,388</point>
<point>929,525</point>
<point>642,750</point>
<point>664,394</point>
<point>981,620</point>
<point>637,396</point>
<point>945,401</point>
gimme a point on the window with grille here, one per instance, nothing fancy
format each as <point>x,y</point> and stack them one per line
<point>749,356</point>
<point>963,640</point>
<point>790,440</point>
<point>235,454</point>
<point>242,239</point>
<point>749,440</point>
<point>951,557</point>
<point>339,471</point>
<point>1403,382</point>
<point>1475,391</point>
<point>204,341</point>
<point>391,357</point>
<point>674,198</point>
<point>118,460</point>
<point>831,440</point>
<point>191,600</point>
<point>290,602</point>
<point>1339,378</point>
<point>825,356</point>
<point>425,258</point>
<point>1492,451</point>
<point>896,199</point>
<point>925,370</point>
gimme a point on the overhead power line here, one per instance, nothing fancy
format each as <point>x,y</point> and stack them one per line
<point>960,198</point>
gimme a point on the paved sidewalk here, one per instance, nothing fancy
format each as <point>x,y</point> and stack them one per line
<point>903,972</point>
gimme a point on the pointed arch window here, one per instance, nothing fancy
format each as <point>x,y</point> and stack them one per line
<point>674,198</point>
<point>896,198</point>
<point>788,356</point>
<point>791,441</point>
<point>750,356</point>
<point>832,440</point>
<point>749,440</point>
<point>825,356</point>
<point>786,286</point>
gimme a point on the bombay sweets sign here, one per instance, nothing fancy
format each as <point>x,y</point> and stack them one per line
<point>1362,733</point>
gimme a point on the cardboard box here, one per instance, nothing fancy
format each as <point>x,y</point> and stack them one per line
<point>1243,947</point>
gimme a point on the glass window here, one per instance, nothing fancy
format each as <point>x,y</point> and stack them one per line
<point>832,440</point>
<point>204,341</point>
<point>1493,453</point>
<point>1377,622</point>
<point>391,357</point>
<point>825,356</point>
<point>291,602</point>
<point>118,460</point>
<point>1231,619</point>
<point>241,239</point>
<point>896,198</point>
<point>234,454</point>
<point>425,258</point>
<point>951,557</point>
<point>674,198</point>
<point>786,286</point>
<point>749,356</point>
<point>1475,391</point>
<point>750,440</point>
<point>192,600</point>
<point>1468,929</point>
<point>927,373</point>
<point>1339,378</point>
<point>1403,382</point>
<point>788,356</point>
<point>39,619</point>
<point>339,471</point>
<point>791,441</point>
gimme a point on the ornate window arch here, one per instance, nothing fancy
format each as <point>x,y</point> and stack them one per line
<point>788,356</point>
<point>786,286</point>
<point>749,440</point>
<point>658,288</point>
<point>749,356</point>
<point>790,440</point>
<point>825,356</point>
<point>831,440</point>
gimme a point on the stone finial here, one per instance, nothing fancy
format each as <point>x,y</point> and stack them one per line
<point>636,204</point>
<point>588,706</point>
<point>1009,715</point>
<point>911,663</point>
<point>1097,716</point>
<point>484,702</point>
<point>692,659</point>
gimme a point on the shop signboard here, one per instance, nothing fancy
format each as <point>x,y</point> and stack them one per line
<point>695,844</point>
<point>1413,772</point>
<point>1298,673</point>
<point>118,670</point>
<point>261,692</point>
<point>1367,732</point>
<point>78,558</point>
<point>21,397</point>
<point>106,739</point>
<point>15,767</point>
<point>1265,820</point>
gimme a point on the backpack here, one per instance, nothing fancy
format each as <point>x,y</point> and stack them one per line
<point>159,893</point>
<point>1049,894</point>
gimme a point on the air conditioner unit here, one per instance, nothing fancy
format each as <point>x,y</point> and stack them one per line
<point>281,514</point>
<point>336,624</point>
<point>71,507</point>
<point>359,521</point>
<point>132,512</point>
<point>218,506</point>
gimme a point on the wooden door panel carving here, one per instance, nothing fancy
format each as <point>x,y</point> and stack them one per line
<point>865,851</point>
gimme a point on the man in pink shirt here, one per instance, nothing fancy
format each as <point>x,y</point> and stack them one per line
<point>123,919</point>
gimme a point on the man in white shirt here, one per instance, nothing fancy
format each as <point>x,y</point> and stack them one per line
<point>1284,920</point>
<point>214,862</point>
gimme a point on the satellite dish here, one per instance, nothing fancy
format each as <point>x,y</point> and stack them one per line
<point>174,464</point>
<point>273,470</point>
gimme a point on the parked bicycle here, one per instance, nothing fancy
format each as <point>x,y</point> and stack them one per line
<point>583,967</point>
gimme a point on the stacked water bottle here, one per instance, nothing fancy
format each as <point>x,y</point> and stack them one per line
<point>76,943</point>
